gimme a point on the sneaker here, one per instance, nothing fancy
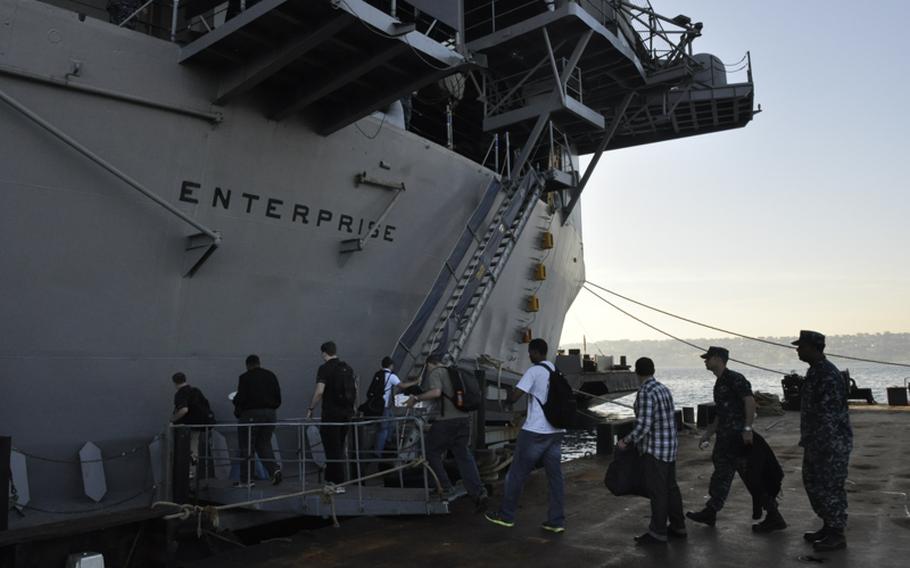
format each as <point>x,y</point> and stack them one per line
<point>244,484</point>
<point>773,522</point>
<point>496,519</point>
<point>815,536</point>
<point>706,516</point>
<point>649,539</point>
<point>833,540</point>
<point>340,490</point>
<point>553,528</point>
<point>277,477</point>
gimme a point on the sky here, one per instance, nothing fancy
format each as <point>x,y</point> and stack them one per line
<point>801,220</point>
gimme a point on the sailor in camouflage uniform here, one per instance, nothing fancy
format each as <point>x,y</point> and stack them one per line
<point>826,438</point>
<point>734,412</point>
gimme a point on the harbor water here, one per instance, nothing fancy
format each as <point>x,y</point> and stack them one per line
<point>694,386</point>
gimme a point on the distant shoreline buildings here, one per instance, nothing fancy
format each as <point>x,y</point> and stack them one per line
<point>885,346</point>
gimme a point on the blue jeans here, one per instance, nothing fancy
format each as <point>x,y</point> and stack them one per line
<point>382,434</point>
<point>531,449</point>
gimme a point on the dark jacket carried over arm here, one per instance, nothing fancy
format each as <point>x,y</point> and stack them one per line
<point>762,474</point>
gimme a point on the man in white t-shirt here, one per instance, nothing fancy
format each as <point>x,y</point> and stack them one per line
<point>392,385</point>
<point>538,441</point>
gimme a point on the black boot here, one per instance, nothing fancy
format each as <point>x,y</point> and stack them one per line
<point>816,535</point>
<point>706,516</point>
<point>773,522</point>
<point>833,540</point>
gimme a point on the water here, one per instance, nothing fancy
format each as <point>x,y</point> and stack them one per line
<point>691,387</point>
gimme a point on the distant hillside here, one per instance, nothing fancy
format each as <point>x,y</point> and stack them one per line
<point>669,353</point>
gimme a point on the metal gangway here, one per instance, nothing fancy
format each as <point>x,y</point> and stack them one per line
<point>204,465</point>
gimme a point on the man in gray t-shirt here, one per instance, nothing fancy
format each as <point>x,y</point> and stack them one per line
<point>450,429</point>
<point>441,407</point>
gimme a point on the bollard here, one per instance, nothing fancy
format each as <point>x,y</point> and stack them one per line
<point>608,433</point>
<point>706,413</point>
<point>897,396</point>
<point>688,414</point>
<point>678,416</point>
<point>604,439</point>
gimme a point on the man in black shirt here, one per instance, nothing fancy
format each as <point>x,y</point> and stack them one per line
<point>190,407</point>
<point>258,396</point>
<point>335,408</point>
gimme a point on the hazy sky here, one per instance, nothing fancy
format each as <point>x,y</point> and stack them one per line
<point>799,220</point>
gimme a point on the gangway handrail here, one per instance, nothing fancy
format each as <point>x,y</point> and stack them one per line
<point>407,455</point>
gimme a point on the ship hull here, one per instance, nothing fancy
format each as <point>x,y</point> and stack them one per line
<point>96,312</point>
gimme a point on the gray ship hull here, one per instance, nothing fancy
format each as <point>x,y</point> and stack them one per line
<point>95,310</point>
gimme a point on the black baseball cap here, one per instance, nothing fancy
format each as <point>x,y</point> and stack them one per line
<point>810,337</point>
<point>719,351</point>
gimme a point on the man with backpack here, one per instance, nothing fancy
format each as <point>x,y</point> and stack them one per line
<point>380,400</point>
<point>257,399</point>
<point>539,440</point>
<point>336,387</point>
<point>450,428</point>
<point>190,407</point>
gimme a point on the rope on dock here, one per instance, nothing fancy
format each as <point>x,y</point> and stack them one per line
<point>670,335</point>
<point>722,330</point>
<point>606,400</point>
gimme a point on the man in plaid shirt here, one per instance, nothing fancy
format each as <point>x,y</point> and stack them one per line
<point>656,439</point>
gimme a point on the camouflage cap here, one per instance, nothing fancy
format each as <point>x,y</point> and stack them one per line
<point>810,337</point>
<point>719,351</point>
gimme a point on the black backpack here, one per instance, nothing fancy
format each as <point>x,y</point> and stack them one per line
<point>375,402</point>
<point>345,386</point>
<point>203,408</point>
<point>561,407</point>
<point>466,395</point>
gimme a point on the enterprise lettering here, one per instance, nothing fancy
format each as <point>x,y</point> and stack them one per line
<point>278,209</point>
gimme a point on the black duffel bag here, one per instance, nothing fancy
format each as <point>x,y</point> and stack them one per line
<point>625,474</point>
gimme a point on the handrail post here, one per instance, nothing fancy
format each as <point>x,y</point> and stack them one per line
<point>508,156</point>
<point>250,458</point>
<point>176,7</point>
<point>423,455</point>
<point>356,434</point>
<point>301,458</point>
<point>6,448</point>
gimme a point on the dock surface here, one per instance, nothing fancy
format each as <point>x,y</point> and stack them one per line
<point>600,527</point>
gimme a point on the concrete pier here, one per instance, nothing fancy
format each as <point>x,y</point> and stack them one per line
<point>600,527</point>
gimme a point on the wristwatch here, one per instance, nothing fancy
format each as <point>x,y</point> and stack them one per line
<point>747,428</point>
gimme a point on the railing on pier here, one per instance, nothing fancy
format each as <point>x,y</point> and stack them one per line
<point>205,463</point>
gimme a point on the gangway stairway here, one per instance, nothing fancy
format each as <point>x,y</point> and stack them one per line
<point>466,299</point>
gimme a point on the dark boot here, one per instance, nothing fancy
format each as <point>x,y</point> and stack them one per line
<point>773,522</point>
<point>816,535</point>
<point>833,540</point>
<point>706,516</point>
